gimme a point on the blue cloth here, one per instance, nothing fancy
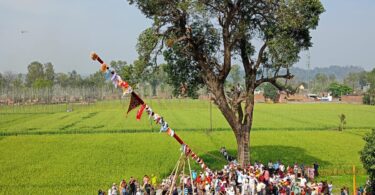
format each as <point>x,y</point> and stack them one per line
<point>194,175</point>
<point>276,166</point>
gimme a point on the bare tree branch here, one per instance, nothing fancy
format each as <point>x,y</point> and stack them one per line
<point>273,80</point>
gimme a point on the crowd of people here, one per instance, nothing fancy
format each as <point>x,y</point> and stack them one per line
<point>272,178</point>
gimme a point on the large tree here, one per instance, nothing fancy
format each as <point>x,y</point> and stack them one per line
<point>2,81</point>
<point>49,74</point>
<point>202,38</point>
<point>35,74</point>
<point>368,159</point>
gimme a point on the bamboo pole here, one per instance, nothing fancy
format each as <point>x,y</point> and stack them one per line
<point>354,181</point>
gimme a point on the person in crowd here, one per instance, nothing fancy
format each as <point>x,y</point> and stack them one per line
<point>123,187</point>
<point>233,179</point>
<point>139,192</point>
<point>330,187</point>
<point>113,190</point>
<point>132,186</point>
<point>153,180</point>
<point>147,187</point>
<point>316,169</point>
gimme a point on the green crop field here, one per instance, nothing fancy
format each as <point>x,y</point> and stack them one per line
<point>180,114</point>
<point>46,150</point>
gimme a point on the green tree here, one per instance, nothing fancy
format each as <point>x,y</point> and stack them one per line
<point>331,78</point>
<point>62,79</point>
<point>94,80</point>
<point>270,91</point>
<point>41,83</point>
<point>338,90</point>
<point>49,74</point>
<point>342,123</point>
<point>134,73</point>
<point>17,82</point>
<point>369,96</point>
<point>157,77</point>
<point>352,80</point>
<point>368,159</point>
<point>75,79</point>
<point>118,65</point>
<point>35,74</point>
<point>362,79</point>
<point>8,79</point>
<point>200,39</point>
<point>321,82</point>
<point>2,81</point>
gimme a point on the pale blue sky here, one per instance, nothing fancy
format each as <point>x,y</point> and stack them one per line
<point>64,32</point>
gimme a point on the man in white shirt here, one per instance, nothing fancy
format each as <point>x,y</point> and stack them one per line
<point>303,182</point>
<point>252,184</point>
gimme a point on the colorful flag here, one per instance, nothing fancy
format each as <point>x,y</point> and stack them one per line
<point>140,111</point>
<point>135,101</point>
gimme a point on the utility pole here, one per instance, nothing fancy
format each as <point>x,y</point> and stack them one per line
<point>210,112</point>
<point>308,71</point>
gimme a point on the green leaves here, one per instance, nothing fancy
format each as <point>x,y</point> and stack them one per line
<point>147,43</point>
<point>40,76</point>
<point>368,157</point>
<point>270,91</point>
<point>339,90</point>
<point>182,72</point>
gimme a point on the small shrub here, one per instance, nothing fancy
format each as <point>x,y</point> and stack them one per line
<point>342,124</point>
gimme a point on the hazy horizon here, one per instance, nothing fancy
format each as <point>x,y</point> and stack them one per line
<point>65,32</point>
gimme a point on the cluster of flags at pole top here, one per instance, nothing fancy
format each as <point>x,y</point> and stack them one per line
<point>136,101</point>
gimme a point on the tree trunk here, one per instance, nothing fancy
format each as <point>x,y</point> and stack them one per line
<point>239,120</point>
<point>243,149</point>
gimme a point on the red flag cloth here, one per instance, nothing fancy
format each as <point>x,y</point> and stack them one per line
<point>135,101</point>
<point>140,111</point>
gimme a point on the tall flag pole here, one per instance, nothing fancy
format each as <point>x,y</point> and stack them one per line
<point>136,101</point>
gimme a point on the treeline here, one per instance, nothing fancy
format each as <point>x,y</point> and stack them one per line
<point>41,84</point>
<point>339,72</point>
<point>354,83</point>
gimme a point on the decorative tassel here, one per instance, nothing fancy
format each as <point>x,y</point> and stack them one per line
<point>104,67</point>
<point>124,84</point>
<point>164,127</point>
<point>193,156</point>
<point>107,75</point>
<point>116,79</point>
<point>149,111</point>
<point>183,147</point>
<point>161,121</point>
<point>187,150</point>
<point>94,56</point>
<point>170,132</point>
<point>140,111</point>
<point>156,118</point>
<point>126,91</point>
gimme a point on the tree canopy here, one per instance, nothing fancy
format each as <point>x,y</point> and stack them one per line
<point>339,90</point>
<point>368,159</point>
<point>200,39</point>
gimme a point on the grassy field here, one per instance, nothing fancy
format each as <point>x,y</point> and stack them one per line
<point>181,115</point>
<point>46,158</point>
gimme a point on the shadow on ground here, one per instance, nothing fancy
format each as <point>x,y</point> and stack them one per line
<point>287,154</point>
